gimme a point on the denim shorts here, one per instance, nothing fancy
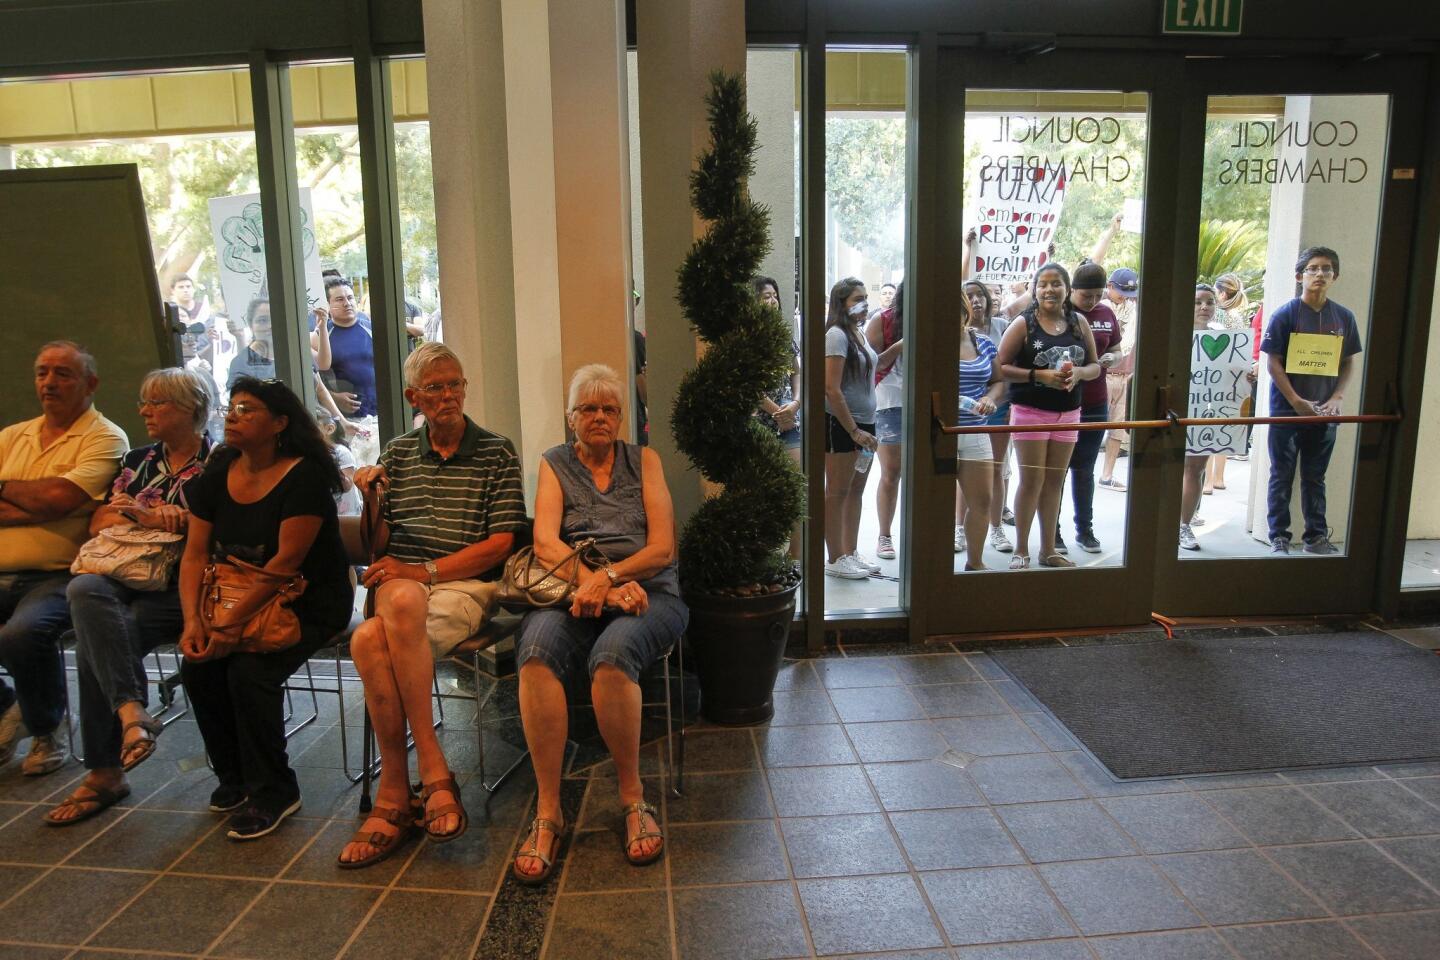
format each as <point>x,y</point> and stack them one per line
<point>574,647</point>
<point>1001,416</point>
<point>791,438</point>
<point>889,424</point>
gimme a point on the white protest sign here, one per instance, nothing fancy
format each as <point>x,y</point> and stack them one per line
<point>240,251</point>
<point>1220,362</point>
<point>1132,215</point>
<point>1019,209</point>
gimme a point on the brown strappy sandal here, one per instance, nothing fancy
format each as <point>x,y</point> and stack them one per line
<point>643,809</point>
<point>136,752</point>
<point>98,802</point>
<point>385,845</point>
<point>430,816</point>
<point>557,840</point>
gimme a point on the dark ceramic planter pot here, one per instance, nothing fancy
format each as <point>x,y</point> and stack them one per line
<point>739,644</point>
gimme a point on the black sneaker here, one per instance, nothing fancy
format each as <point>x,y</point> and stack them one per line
<point>1060,547</point>
<point>227,798</point>
<point>1280,547</point>
<point>256,820</point>
<point>1087,541</point>
<point>1007,517</point>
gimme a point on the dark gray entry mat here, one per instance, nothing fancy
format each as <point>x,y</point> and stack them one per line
<point>1189,707</point>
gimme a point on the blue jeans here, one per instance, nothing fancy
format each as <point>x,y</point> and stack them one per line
<point>1311,446</point>
<point>114,628</point>
<point>34,615</point>
<point>1082,466</point>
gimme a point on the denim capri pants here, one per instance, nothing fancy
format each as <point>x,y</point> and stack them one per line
<point>573,647</point>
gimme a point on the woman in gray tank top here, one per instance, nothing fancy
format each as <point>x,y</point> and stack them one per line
<point>626,614</point>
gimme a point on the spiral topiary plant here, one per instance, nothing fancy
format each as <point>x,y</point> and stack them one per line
<point>732,544</point>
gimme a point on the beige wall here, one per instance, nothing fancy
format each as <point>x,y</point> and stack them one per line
<point>1424,499</point>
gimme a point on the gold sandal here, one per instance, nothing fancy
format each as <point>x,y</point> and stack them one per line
<point>557,837</point>
<point>643,809</point>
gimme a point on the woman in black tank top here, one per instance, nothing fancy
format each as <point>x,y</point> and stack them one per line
<point>1044,355</point>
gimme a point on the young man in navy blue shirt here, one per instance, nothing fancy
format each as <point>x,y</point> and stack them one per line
<point>1311,332</point>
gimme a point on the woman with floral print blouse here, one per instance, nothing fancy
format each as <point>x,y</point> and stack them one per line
<point>115,626</point>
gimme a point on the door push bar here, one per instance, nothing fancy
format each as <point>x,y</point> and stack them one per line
<point>1172,419</point>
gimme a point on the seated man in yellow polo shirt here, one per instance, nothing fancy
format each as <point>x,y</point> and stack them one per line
<point>54,471</point>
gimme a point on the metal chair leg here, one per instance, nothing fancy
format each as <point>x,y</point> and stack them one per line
<point>670,731</point>
<point>680,768</point>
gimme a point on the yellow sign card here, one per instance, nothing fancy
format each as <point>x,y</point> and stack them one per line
<point>1317,354</point>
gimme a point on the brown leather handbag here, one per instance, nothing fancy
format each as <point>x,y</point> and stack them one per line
<point>274,626</point>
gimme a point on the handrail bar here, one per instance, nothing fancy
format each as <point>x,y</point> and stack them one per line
<point>1172,419</point>
<point>1294,421</point>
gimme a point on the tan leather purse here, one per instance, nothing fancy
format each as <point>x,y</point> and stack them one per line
<point>274,626</point>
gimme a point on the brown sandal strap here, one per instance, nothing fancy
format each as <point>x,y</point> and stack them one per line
<point>447,784</point>
<point>403,819</point>
<point>443,811</point>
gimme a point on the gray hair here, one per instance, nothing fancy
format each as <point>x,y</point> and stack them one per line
<point>183,388</point>
<point>595,378</point>
<point>87,359</point>
<point>424,357</point>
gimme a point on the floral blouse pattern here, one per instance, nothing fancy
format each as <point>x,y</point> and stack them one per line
<point>146,475</point>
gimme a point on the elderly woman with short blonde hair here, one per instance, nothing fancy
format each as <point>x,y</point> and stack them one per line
<point>626,613</point>
<point>115,625</point>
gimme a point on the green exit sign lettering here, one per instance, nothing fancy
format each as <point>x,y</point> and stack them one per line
<point>1203,16</point>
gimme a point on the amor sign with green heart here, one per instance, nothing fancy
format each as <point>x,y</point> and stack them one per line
<point>1214,344</point>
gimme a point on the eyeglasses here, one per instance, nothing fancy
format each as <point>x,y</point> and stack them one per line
<point>243,409</point>
<point>611,411</point>
<point>1319,271</point>
<point>437,389</point>
<point>142,404</point>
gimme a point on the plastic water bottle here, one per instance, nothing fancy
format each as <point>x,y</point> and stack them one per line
<point>863,461</point>
<point>1065,367</point>
<point>969,407</point>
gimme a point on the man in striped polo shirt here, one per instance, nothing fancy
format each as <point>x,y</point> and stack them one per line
<point>454,502</point>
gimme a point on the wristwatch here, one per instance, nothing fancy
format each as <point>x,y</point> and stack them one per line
<point>433,570</point>
<point>614,577</point>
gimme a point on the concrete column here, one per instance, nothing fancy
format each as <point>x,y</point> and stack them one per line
<point>1344,215</point>
<point>1424,505</point>
<point>531,167</point>
<point>464,45</point>
<point>678,43</point>
<point>770,93</point>
<point>592,182</point>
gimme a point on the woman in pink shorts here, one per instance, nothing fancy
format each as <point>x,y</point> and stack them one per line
<point>1044,355</point>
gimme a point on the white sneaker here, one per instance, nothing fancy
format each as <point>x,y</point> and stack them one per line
<point>959,539</point>
<point>999,541</point>
<point>885,548</point>
<point>1187,538</point>
<point>843,569</point>
<point>862,562</point>
<point>12,731</point>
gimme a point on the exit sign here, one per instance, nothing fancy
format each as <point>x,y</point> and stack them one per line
<point>1203,16</point>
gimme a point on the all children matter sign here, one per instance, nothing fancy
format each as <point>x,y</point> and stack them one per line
<point>1220,362</point>
<point>1019,209</point>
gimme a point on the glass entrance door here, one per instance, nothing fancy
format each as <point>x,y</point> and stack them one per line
<point>1055,196</point>
<point>1303,211</point>
<point>1141,222</point>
